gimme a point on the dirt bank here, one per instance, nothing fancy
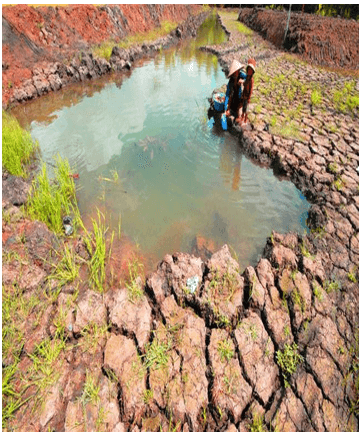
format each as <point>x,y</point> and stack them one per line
<point>325,41</point>
<point>39,44</point>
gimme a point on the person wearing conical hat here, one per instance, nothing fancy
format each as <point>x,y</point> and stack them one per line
<point>247,92</point>
<point>236,78</point>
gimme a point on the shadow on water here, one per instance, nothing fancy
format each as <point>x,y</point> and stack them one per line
<point>144,148</point>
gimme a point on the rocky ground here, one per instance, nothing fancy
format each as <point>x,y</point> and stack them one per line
<point>197,345</point>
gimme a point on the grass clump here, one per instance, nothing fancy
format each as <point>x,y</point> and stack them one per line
<point>96,246</point>
<point>288,361</point>
<point>135,292</point>
<point>225,349</point>
<point>257,424</point>
<point>156,354</point>
<point>17,146</point>
<point>51,200</point>
<point>316,97</point>
<point>105,49</point>
<point>66,270</point>
<point>346,99</point>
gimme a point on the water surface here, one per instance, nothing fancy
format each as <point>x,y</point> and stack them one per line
<point>145,149</point>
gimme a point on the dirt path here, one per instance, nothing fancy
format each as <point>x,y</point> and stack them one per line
<point>197,345</point>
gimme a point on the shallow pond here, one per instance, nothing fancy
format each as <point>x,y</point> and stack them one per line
<point>144,149</point>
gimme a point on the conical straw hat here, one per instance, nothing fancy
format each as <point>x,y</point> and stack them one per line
<point>235,65</point>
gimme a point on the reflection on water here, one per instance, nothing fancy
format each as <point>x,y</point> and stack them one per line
<point>144,149</point>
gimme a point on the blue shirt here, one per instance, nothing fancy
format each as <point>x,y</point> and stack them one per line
<point>230,86</point>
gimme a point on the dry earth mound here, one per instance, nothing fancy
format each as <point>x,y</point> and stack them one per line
<point>326,41</point>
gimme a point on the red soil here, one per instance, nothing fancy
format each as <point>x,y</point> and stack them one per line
<point>32,36</point>
<point>326,41</point>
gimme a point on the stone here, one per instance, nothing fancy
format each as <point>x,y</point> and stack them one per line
<point>134,317</point>
<point>230,390</point>
<point>74,417</point>
<point>280,256</point>
<point>90,310</point>
<point>14,190</point>
<point>256,292</point>
<point>313,268</point>
<point>291,416</point>
<point>277,316</point>
<point>186,389</point>
<point>223,293</point>
<point>257,354</point>
<point>265,273</point>
<point>121,357</point>
<point>109,403</point>
<point>311,397</point>
<point>325,372</point>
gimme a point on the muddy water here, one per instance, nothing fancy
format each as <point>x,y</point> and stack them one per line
<point>144,149</point>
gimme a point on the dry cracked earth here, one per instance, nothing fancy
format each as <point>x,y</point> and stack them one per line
<point>197,345</point>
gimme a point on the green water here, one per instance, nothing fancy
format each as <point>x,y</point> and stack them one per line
<point>147,132</point>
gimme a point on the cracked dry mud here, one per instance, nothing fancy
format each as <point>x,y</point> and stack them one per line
<point>208,360</point>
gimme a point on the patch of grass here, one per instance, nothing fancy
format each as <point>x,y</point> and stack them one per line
<point>66,270</point>
<point>339,184</point>
<point>240,27</point>
<point>225,349</point>
<point>91,390</point>
<point>316,97</point>
<point>304,250</point>
<point>257,424</point>
<point>352,276</point>
<point>346,100</point>
<point>331,286</point>
<point>298,299</point>
<point>148,395</point>
<point>17,146</point>
<point>135,292</point>
<point>333,168</point>
<point>96,246</point>
<point>157,353</point>
<point>288,360</point>
<point>105,49</point>
<point>50,201</point>
<point>317,291</point>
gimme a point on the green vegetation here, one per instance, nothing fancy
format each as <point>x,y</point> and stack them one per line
<point>352,276</point>
<point>148,395</point>
<point>17,146</point>
<point>331,286</point>
<point>66,270</point>
<point>317,291</point>
<point>347,98</point>
<point>226,349</point>
<point>288,361</point>
<point>50,201</point>
<point>105,49</point>
<point>135,292</point>
<point>157,353</point>
<point>91,390</point>
<point>333,168</point>
<point>257,424</point>
<point>316,97</point>
<point>96,245</point>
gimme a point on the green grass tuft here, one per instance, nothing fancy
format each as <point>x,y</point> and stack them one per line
<point>49,200</point>
<point>288,361</point>
<point>17,146</point>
